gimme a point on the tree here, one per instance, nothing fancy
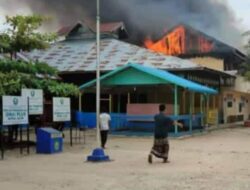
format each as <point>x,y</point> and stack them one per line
<point>15,75</point>
<point>22,34</point>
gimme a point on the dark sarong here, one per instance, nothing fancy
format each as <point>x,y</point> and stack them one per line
<point>160,148</point>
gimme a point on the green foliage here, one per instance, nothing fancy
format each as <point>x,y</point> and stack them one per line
<point>5,42</point>
<point>60,89</point>
<point>52,87</point>
<point>15,75</point>
<point>10,83</point>
<point>23,36</point>
<point>7,65</point>
<point>45,69</point>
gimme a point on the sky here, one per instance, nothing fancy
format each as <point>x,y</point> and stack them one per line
<point>241,8</point>
<point>242,11</point>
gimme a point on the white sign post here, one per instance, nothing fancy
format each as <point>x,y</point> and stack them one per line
<point>15,110</point>
<point>35,100</point>
<point>61,109</point>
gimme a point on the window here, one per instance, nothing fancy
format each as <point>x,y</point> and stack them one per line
<point>240,107</point>
<point>230,104</point>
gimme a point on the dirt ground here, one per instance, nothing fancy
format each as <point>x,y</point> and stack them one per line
<point>219,160</point>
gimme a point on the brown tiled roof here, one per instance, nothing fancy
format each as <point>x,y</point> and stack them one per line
<point>65,30</point>
<point>111,26</point>
<point>104,27</point>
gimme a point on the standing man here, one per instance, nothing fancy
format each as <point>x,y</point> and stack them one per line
<point>161,145</point>
<point>105,120</point>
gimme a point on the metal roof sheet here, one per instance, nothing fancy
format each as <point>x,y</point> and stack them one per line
<point>80,55</point>
<point>160,74</point>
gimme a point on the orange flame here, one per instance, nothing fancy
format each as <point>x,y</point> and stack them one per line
<point>148,42</point>
<point>178,43</point>
<point>204,45</point>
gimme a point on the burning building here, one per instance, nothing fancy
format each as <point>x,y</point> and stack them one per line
<point>211,54</point>
<point>186,42</point>
<point>75,58</point>
<point>75,55</point>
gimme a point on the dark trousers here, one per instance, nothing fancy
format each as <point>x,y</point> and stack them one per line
<point>104,137</point>
<point>12,133</point>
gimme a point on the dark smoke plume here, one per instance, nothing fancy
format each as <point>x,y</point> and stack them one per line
<point>142,17</point>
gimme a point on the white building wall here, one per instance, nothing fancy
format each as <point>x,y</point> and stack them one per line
<point>236,100</point>
<point>241,85</point>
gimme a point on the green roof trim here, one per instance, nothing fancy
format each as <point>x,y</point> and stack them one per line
<point>135,74</point>
<point>132,76</point>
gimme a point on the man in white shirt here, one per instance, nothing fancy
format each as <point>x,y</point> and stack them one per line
<point>104,127</point>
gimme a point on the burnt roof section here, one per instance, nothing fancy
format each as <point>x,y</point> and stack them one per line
<point>219,49</point>
<point>115,29</point>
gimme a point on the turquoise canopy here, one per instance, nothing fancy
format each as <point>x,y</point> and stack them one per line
<point>136,74</point>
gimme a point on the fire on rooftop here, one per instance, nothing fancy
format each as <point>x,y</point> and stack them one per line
<point>180,41</point>
<point>185,41</point>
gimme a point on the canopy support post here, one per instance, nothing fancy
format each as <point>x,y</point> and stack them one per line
<point>201,109</point>
<point>80,101</point>
<point>175,107</point>
<point>119,103</point>
<point>207,108</point>
<point>110,103</point>
<point>191,112</point>
<point>128,101</point>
